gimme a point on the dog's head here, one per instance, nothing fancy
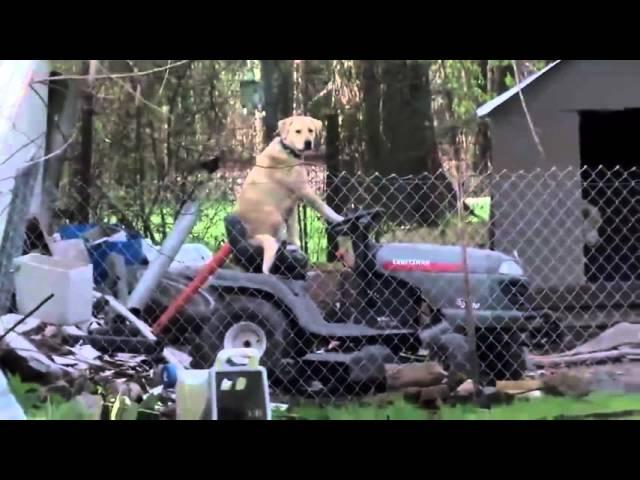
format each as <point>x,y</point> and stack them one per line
<point>300,133</point>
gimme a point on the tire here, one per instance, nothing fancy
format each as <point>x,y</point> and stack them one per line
<point>234,309</point>
<point>501,354</point>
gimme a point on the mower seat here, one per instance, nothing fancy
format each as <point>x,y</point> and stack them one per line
<point>289,263</point>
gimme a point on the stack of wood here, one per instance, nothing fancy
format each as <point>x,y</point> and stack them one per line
<point>423,382</point>
<point>427,384</point>
<point>622,341</point>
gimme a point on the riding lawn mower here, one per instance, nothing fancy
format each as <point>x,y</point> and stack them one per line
<point>397,302</point>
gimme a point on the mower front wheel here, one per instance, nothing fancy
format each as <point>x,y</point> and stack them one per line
<point>247,322</point>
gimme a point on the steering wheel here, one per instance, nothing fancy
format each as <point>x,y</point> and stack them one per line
<point>360,220</point>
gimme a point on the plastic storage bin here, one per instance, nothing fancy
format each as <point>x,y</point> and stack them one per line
<point>37,276</point>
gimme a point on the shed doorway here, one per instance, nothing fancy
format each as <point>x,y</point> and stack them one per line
<point>608,139</point>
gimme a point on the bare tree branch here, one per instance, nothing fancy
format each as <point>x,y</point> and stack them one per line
<point>113,75</point>
<point>136,94</point>
<point>46,157</point>
<point>526,112</point>
<point>164,80</point>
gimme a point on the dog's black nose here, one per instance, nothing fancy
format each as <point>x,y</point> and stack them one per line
<point>307,145</point>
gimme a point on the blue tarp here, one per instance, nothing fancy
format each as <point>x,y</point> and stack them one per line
<point>130,250</point>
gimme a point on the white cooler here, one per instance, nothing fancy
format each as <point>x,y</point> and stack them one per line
<point>71,281</point>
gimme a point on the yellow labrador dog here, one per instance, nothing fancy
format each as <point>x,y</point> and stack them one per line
<point>268,199</point>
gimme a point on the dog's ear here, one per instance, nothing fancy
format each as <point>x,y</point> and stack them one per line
<point>283,127</point>
<point>317,126</point>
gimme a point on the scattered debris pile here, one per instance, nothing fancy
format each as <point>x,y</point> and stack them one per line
<point>71,343</point>
<point>62,359</point>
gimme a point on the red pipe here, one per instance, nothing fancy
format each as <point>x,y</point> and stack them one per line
<point>209,269</point>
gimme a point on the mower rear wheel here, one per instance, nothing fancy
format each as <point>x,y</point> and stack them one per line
<point>501,354</point>
<point>190,319</point>
<point>244,312</point>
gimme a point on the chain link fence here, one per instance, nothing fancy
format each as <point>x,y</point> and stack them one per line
<point>490,278</point>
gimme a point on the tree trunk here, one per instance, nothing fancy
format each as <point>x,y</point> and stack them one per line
<point>277,76</point>
<point>498,78</point>
<point>306,85</point>
<point>371,98</point>
<point>61,122</point>
<point>285,88</point>
<point>407,119</point>
<point>411,148</point>
<point>332,187</point>
<point>482,144</point>
<point>453,129</point>
<point>484,73</point>
<point>82,171</point>
<point>298,87</point>
<point>141,173</point>
<point>171,126</point>
<point>270,120</point>
<point>495,83</point>
<point>160,177</point>
<point>298,109</point>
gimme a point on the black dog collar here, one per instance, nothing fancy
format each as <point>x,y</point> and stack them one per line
<point>290,150</point>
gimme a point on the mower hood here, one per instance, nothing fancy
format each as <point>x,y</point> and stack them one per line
<point>431,258</point>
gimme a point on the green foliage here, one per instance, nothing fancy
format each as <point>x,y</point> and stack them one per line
<point>38,406</point>
<point>316,240</point>
<point>481,206</point>
<point>462,79</point>
<point>124,409</point>
<point>398,410</point>
<point>27,394</point>
<point>58,409</point>
<point>546,408</point>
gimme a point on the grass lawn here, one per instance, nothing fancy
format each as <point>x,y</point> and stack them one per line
<point>481,206</point>
<point>209,229</point>
<point>609,405</point>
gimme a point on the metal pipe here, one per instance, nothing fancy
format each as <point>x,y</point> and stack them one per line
<point>169,249</point>
<point>112,344</point>
<point>205,272</point>
<point>142,327</point>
